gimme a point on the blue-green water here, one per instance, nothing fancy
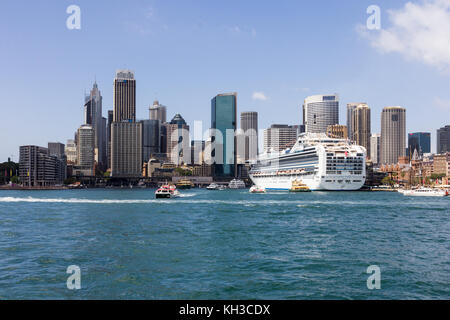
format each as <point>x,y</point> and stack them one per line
<point>223,245</point>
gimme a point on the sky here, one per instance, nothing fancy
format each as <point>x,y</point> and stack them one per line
<point>272,53</point>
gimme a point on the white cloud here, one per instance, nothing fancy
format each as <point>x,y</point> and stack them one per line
<point>259,96</point>
<point>418,31</point>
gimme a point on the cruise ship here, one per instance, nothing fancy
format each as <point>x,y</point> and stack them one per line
<point>320,162</point>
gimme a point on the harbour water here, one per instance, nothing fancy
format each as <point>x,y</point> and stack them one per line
<point>223,245</point>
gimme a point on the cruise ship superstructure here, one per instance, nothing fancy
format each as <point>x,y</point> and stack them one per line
<point>320,162</point>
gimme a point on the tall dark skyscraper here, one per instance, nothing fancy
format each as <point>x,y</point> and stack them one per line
<point>443,139</point>
<point>108,134</point>
<point>249,124</point>
<point>360,125</point>
<point>223,119</point>
<point>420,141</point>
<point>150,138</point>
<point>124,96</point>
<point>93,117</point>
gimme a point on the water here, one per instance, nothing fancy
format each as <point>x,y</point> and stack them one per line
<point>223,245</point>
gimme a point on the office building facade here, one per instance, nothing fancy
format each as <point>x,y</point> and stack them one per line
<point>178,142</point>
<point>249,127</point>
<point>337,131</point>
<point>393,134</point>
<point>223,124</point>
<point>375,148</point>
<point>150,139</point>
<point>443,139</point>
<point>360,126</point>
<point>419,142</point>
<point>319,112</point>
<point>86,149</point>
<point>124,96</point>
<point>158,112</point>
<point>126,149</point>
<point>279,137</point>
<point>37,168</point>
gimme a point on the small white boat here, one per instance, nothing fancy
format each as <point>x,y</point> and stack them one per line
<point>425,192</point>
<point>213,186</point>
<point>236,184</point>
<point>167,191</point>
<point>256,189</point>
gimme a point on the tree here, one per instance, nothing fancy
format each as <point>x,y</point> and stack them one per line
<point>387,181</point>
<point>15,179</point>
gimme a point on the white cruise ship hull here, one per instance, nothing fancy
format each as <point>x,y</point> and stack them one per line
<point>315,184</point>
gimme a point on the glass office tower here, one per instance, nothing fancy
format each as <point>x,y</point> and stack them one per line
<point>223,120</point>
<point>420,141</point>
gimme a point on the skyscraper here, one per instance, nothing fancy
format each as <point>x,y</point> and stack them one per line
<point>319,112</point>
<point>420,141</point>
<point>150,138</point>
<point>126,149</point>
<point>108,134</point>
<point>393,134</point>
<point>249,126</point>
<point>93,117</point>
<point>375,148</point>
<point>71,151</point>
<point>360,124</point>
<point>158,112</point>
<point>124,96</point>
<point>86,147</point>
<point>223,123</point>
<point>350,108</point>
<point>443,139</point>
<point>56,149</point>
<point>178,143</point>
<point>279,137</point>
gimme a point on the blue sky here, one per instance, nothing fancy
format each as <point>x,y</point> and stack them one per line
<point>273,53</point>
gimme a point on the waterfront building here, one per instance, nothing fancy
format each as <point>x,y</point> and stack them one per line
<point>178,143</point>
<point>197,152</point>
<point>360,125</point>
<point>319,112</point>
<point>126,149</point>
<point>70,151</point>
<point>124,96</point>
<point>337,131</point>
<point>108,135</point>
<point>393,134</point>
<point>420,142</point>
<point>36,167</point>
<point>350,107</point>
<point>443,139</point>
<point>440,165</point>
<point>223,123</point>
<point>57,150</point>
<point>279,137</point>
<point>158,112</point>
<point>150,139</point>
<point>375,148</point>
<point>93,117</point>
<point>86,150</point>
<point>249,126</point>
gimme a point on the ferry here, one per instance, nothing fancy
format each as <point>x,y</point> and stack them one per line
<point>298,186</point>
<point>256,189</point>
<point>320,162</point>
<point>425,192</point>
<point>167,191</point>
<point>184,184</point>
<point>236,184</point>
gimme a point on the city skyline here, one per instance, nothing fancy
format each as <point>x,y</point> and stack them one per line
<point>271,79</point>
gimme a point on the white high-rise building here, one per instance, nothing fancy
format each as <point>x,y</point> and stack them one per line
<point>319,112</point>
<point>375,148</point>
<point>71,151</point>
<point>86,146</point>
<point>279,137</point>
<point>158,112</point>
